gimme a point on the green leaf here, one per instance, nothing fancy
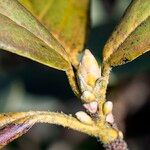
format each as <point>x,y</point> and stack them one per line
<point>22,34</point>
<point>67,20</point>
<point>131,37</point>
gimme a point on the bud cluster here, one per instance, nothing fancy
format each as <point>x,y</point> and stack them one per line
<point>91,83</point>
<point>88,73</point>
<point>109,118</point>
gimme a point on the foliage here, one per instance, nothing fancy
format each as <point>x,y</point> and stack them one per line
<point>130,39</point>
<point>54,33</point>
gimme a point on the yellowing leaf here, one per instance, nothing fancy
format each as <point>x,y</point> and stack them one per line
<point>67,20</point>
<point>131,37</point>
<point>22,34</point>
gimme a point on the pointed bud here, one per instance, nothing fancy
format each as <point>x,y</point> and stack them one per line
<point>88,71</point>
<point>107,108</point>
<point>84,117</point>
<point>110,118</point>
<point>87,96</point>
<point>91,107</point>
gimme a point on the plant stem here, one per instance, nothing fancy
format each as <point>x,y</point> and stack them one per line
<point>50,117</point>
<point>115,143</point>
<point>105,133</point>
<point>103,86</point>
<point>66,121</point>
<point>72,81</point>
<point>105,75</point>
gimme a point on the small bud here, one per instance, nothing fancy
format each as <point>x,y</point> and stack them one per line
<point>91,107</point>
<point>107,108</point>
<point>120,134</point>
<point>84,117</point>
<point>110,118</point>
<point>87,96</point>
<point>88,71</point>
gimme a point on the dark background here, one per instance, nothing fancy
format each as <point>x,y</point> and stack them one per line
<point>26,85</point>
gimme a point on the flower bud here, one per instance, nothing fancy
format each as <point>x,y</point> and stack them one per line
<point>84,117</point>
<point>107,108</point>
<point>88,71</point>
<point>87,96</point>
<point>110,118</point>
<point>91,107</point>
<point>120,134</point>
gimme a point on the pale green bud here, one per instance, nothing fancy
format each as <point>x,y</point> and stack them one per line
<point>84,117</point>
<point>107,108</point>
<point>88,71</point>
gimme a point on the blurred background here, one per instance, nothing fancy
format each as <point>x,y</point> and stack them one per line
<point>26,85</point>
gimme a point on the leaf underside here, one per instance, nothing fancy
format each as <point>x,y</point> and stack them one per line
<point>131,37</point>
<point>14,130</point>
<point>22,34</point>
<point>66,20</point>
